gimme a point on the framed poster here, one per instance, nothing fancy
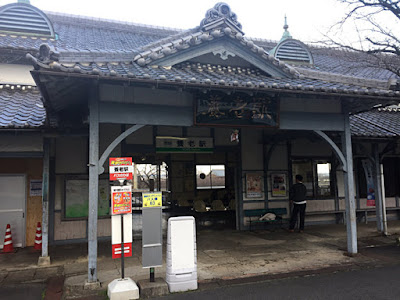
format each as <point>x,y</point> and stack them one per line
<point>254,183</point>
<point>279,185</point>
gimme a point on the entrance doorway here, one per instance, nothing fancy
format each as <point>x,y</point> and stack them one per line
<point>12,207</point>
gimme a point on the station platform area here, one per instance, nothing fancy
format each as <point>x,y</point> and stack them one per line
<point>223,256</point>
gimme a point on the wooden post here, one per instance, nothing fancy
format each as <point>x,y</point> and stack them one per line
<point>45,197</point>
<point>378,188</point>
<point>93,183</point>
<point>351,225</point>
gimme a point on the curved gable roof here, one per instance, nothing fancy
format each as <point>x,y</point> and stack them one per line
<point>293,50</point>
<point>22,18</point>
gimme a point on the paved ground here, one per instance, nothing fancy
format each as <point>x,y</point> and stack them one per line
<point>223,256</point>
<point>373,283</point>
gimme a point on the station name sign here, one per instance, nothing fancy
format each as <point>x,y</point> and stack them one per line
<point>121,168</point>
<point>184,144</point>
<point>236,109</point>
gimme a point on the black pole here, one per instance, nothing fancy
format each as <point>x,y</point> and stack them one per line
<point>151,274</point>
<point>122,247</point>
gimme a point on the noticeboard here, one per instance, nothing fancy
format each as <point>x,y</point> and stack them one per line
<point>121,200</point>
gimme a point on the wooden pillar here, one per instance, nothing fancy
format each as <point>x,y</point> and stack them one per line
<point>378,188</point>
<point>351,225</point>
<point>45,197</point>
<point>93,183</point>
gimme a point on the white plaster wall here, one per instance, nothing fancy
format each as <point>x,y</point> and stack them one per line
<point>320,205</point>
<point>222,137</point>
<point>21,143</point>
<point>59,192</point>
<point>108,133</point>
<point>104,227</point>
<point>198,131</point>
<point>16,74</point>
<point>314,148</point>
<point>68,229</point>
<point>143,136</point>
<point>280,204</point>
<point>390,201</point>
<point>252,150</point>
<point>71,155</point>
<point>139,95</point>
<point>340,183</point>
<point>169,131</point>
<point>279,158</point>
<point>310,105</point>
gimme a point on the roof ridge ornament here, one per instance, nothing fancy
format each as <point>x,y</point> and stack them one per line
<point>220,14</point>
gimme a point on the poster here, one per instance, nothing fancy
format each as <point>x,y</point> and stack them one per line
<point>254,185</point>
<point>279,186</point>
<point>367,165</point>
<point>35,188</point>
<point>121,199</point>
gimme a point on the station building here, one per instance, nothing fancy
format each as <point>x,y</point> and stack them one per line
<point>219,122</point>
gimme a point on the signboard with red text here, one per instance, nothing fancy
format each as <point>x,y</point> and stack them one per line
<point>121,168</point>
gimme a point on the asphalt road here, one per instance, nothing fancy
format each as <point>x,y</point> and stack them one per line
<point>32,291</point>
<point>374,283</point>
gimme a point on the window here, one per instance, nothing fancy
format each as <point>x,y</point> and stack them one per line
<point>210,177</point>
<point>316,176</point>
<point>148,176</point>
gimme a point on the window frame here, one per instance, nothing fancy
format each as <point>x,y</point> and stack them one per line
<point>211,188</point>
<point>314,161</point>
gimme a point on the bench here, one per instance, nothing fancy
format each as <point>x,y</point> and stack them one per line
<point>340,214</point>
<point>364,212</point>
<point>254,215</point>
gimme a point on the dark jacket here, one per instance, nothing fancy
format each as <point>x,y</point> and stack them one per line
<point>298,192</point>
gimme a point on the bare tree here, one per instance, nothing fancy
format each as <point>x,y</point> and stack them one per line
<point>377,24</point>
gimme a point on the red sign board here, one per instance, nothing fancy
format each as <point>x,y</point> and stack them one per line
<point>121,168</point>
<point>117,251</point>
<point>121,200</point>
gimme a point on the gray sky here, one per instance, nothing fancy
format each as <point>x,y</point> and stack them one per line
<point>261,19</point>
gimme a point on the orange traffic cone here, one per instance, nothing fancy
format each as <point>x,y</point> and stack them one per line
<point>38,238</point>
<point>8,244</point>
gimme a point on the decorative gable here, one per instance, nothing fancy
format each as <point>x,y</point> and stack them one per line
<point>220,35</point>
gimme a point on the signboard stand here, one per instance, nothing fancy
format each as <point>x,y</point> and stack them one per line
<point>152,233</point>
<point>122,248</point>
<point>121,210</point>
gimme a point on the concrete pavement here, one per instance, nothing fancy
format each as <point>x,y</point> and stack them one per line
<point>223,256</point>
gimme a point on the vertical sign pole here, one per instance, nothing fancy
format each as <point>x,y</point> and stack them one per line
<point>152,274</point>
<point>122,248</point>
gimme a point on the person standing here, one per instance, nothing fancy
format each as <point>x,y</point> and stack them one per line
<point>297,197</point>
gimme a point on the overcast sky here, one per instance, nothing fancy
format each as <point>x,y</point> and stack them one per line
<point>259,18</point>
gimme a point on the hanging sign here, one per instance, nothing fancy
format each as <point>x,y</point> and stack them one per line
<point>367,165</point>
<point>184,144</point>
<point>237,109</point>
<point>152,199</point>
<point>121,200</point>
<point>121,168</point>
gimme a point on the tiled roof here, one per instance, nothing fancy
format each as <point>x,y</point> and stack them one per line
<point>75,33</point>
<point>210,75</point>
<point>87,39</point>
<point>376,123</point>
<point>21,107</point>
